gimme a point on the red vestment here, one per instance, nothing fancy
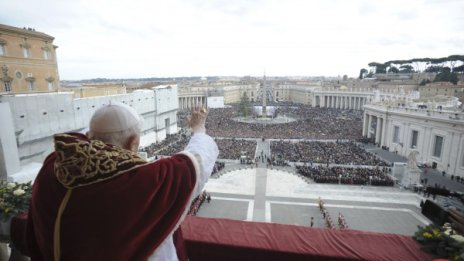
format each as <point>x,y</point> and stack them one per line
<point>93,201</point>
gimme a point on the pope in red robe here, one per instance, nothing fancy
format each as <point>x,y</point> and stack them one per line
<point>93,200</point>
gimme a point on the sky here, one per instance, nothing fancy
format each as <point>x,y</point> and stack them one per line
<point>171,38</point>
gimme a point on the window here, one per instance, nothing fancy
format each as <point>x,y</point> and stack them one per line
<point>46,54</point>
<point>7,85</point>
<point>396,134</point>
<point>438,146</point>
<point>2,49</point>
<point>26,52</point>
<point>414,135</point>
<point>50,85</point>
<point>30,85</point>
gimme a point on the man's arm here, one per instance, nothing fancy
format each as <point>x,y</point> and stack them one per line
<point>202,147</point>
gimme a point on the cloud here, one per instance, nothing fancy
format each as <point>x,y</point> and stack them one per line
<point>120,38</point>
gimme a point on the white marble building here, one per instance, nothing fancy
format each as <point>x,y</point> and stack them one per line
<point>438,135</point>
<point>356,98</point>
<point>28,121</point>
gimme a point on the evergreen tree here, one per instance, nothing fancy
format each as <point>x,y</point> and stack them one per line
<point>244,108</point>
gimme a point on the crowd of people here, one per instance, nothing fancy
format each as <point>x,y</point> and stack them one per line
<point>197,202</point>
<point>173,143</point>
<point>311,123</point>
<point>228,148</point>
<point>347,153</point>
<point>343,175</point>
<point>235,148</point>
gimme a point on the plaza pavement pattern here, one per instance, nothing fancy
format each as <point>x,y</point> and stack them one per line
<point>270,195</point>
<point>263,194</point>
<point>278,195</point>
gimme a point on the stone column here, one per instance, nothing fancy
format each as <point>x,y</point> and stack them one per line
<point>365,122</point>
<point>378,130</point>
<point>369,126</point>
<point>383,140</point>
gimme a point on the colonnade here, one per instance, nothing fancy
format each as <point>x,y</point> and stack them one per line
<point>375,127</point>
<point>186,103</point>
<point>341,101</point>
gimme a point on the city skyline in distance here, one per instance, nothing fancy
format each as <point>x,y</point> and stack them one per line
<point>123,39</point>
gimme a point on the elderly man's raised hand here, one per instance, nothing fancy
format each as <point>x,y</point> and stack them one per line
<point>197,120</point>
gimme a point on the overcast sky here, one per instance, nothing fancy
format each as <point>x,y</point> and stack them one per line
<point>168,38</point>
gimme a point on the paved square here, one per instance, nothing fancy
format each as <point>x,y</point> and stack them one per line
<point>220,208</point>
<point>375,219</point>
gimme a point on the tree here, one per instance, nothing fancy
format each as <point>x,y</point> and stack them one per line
<point>445,75</point>
<point>433,69</point>
<point>406,68</point>
<point>393,69</point>
<point>424,82</point>
<point>244,105</point>
<point>459,69</point>
<point>453,59</point>
<point>362,72</point>
<point>378,67</point>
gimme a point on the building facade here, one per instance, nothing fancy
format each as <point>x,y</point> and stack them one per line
<point>355,99</point>
<point>438,135</point>
<point>27,60</point>
<point>281,92</point>
<point>29,121</point>
<point>442,89</point>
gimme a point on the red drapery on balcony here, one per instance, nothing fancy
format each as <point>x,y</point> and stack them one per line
<point>223,239</point>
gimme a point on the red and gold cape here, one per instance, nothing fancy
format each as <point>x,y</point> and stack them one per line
<point>94,201</point>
